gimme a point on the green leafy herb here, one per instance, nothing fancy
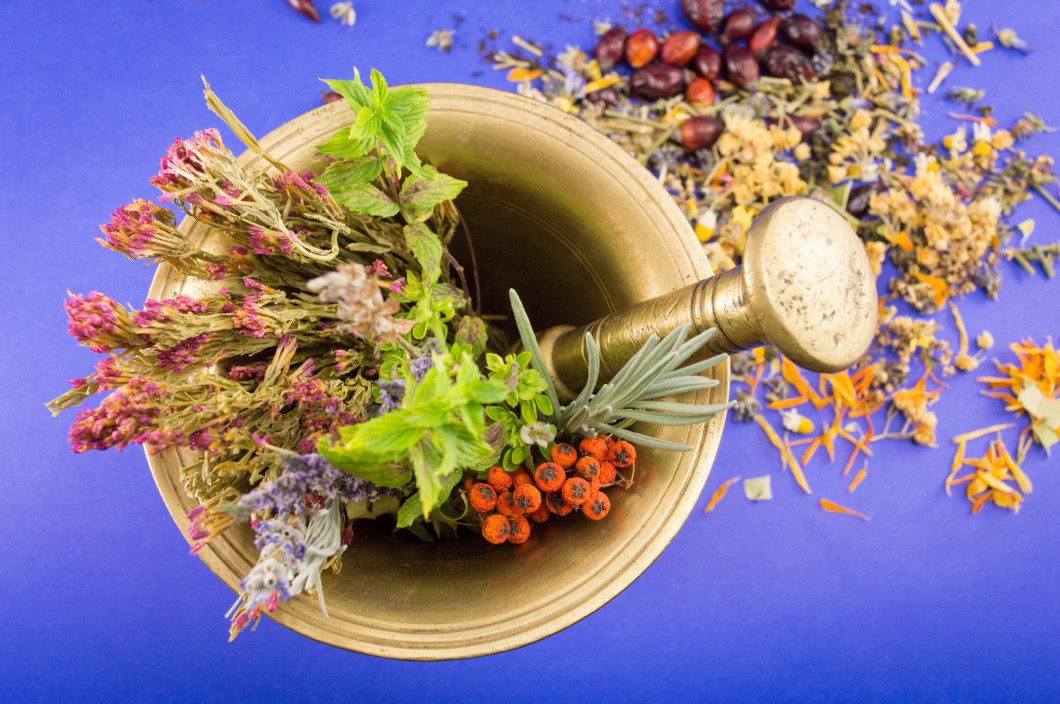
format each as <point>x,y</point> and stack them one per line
<point>439,428</point>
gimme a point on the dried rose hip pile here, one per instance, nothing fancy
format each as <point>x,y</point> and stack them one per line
<point>508,503</point>
<point>738,47</point>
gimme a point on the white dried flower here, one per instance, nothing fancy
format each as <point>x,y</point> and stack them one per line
<point>441,38</point>
<point>344,13</point>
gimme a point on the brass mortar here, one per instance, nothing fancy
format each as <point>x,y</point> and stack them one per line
<point>581,230</point>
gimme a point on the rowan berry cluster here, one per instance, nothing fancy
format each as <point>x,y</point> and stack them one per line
<point>509,503</point>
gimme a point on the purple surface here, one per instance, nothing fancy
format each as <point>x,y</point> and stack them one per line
<point>777,601</point>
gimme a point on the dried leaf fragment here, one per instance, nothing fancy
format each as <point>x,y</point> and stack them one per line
<point>758,488</point>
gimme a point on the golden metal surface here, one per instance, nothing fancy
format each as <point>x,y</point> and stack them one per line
<point>805,286</point>
<point>560,213</point>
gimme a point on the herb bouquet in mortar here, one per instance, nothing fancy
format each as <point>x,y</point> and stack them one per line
<point>338,367</point>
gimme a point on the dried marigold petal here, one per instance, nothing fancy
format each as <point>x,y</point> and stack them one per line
<point>833,507</point>
<point>719,494</point>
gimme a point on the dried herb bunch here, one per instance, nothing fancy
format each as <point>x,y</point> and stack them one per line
<point>336,370</point>
<point>823,107</point>
<point>737,107</point>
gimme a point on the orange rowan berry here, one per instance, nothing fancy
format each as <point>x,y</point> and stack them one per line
<point>595,447</point>
<point>622,454</point>
<point>482,498</point>
<point>518,530</point>
<point>576,491</point>
<point>527,498</point>
<point>597,506</point>
<point>520,477</point>
<point>564,455</point>
<point>607,474</point>
<point>469,481</point>
<point>506,505</point>
<point>557,504</point>
<point>587,468</point>
<point>499,479</point>
<point>496,529</point>
<point>540,515</point>
<point>550,476</point>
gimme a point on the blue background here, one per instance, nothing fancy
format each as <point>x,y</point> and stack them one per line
<point>775,601</point>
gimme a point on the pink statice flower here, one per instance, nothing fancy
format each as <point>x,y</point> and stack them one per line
<point>100,323</point>
<point>143,230</point>
<point>128,415</point>
<point>188,161</point>
<point>183,354</point>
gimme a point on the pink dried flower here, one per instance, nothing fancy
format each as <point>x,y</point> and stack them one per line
<point>100,323</point>
<point>187,161</point>
<point>143,230</point>
<point>126,416</point>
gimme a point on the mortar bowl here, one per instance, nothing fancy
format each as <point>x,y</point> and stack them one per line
<point>580,229</point>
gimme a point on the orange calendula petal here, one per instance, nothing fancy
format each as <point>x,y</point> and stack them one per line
<point>939,285</point>
<point>719,494</point>
<point>796,470</point>
<point>833,507</point>
<point>958,460</point>
<point>965,437</point>
<point>858,478</point>
<point>517,74</point>
<point>787,403</point>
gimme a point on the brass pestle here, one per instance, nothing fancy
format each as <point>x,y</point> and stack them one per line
<point>805,286</point>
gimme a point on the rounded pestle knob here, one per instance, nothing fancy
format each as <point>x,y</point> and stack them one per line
<point>805,286</point>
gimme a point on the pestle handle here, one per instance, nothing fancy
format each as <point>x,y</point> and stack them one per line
<point>805,286</point>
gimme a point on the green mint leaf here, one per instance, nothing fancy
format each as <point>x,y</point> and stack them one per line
<point>427,249</point>
<point>410,104</point>
<point>409,511</point>
<point>367,200</point>
<point>356,94</point>
<point>379,88</point>
<point>367,125</point>
<point>343,145</point>
<point>346,175</point>
<point>425,193</point>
